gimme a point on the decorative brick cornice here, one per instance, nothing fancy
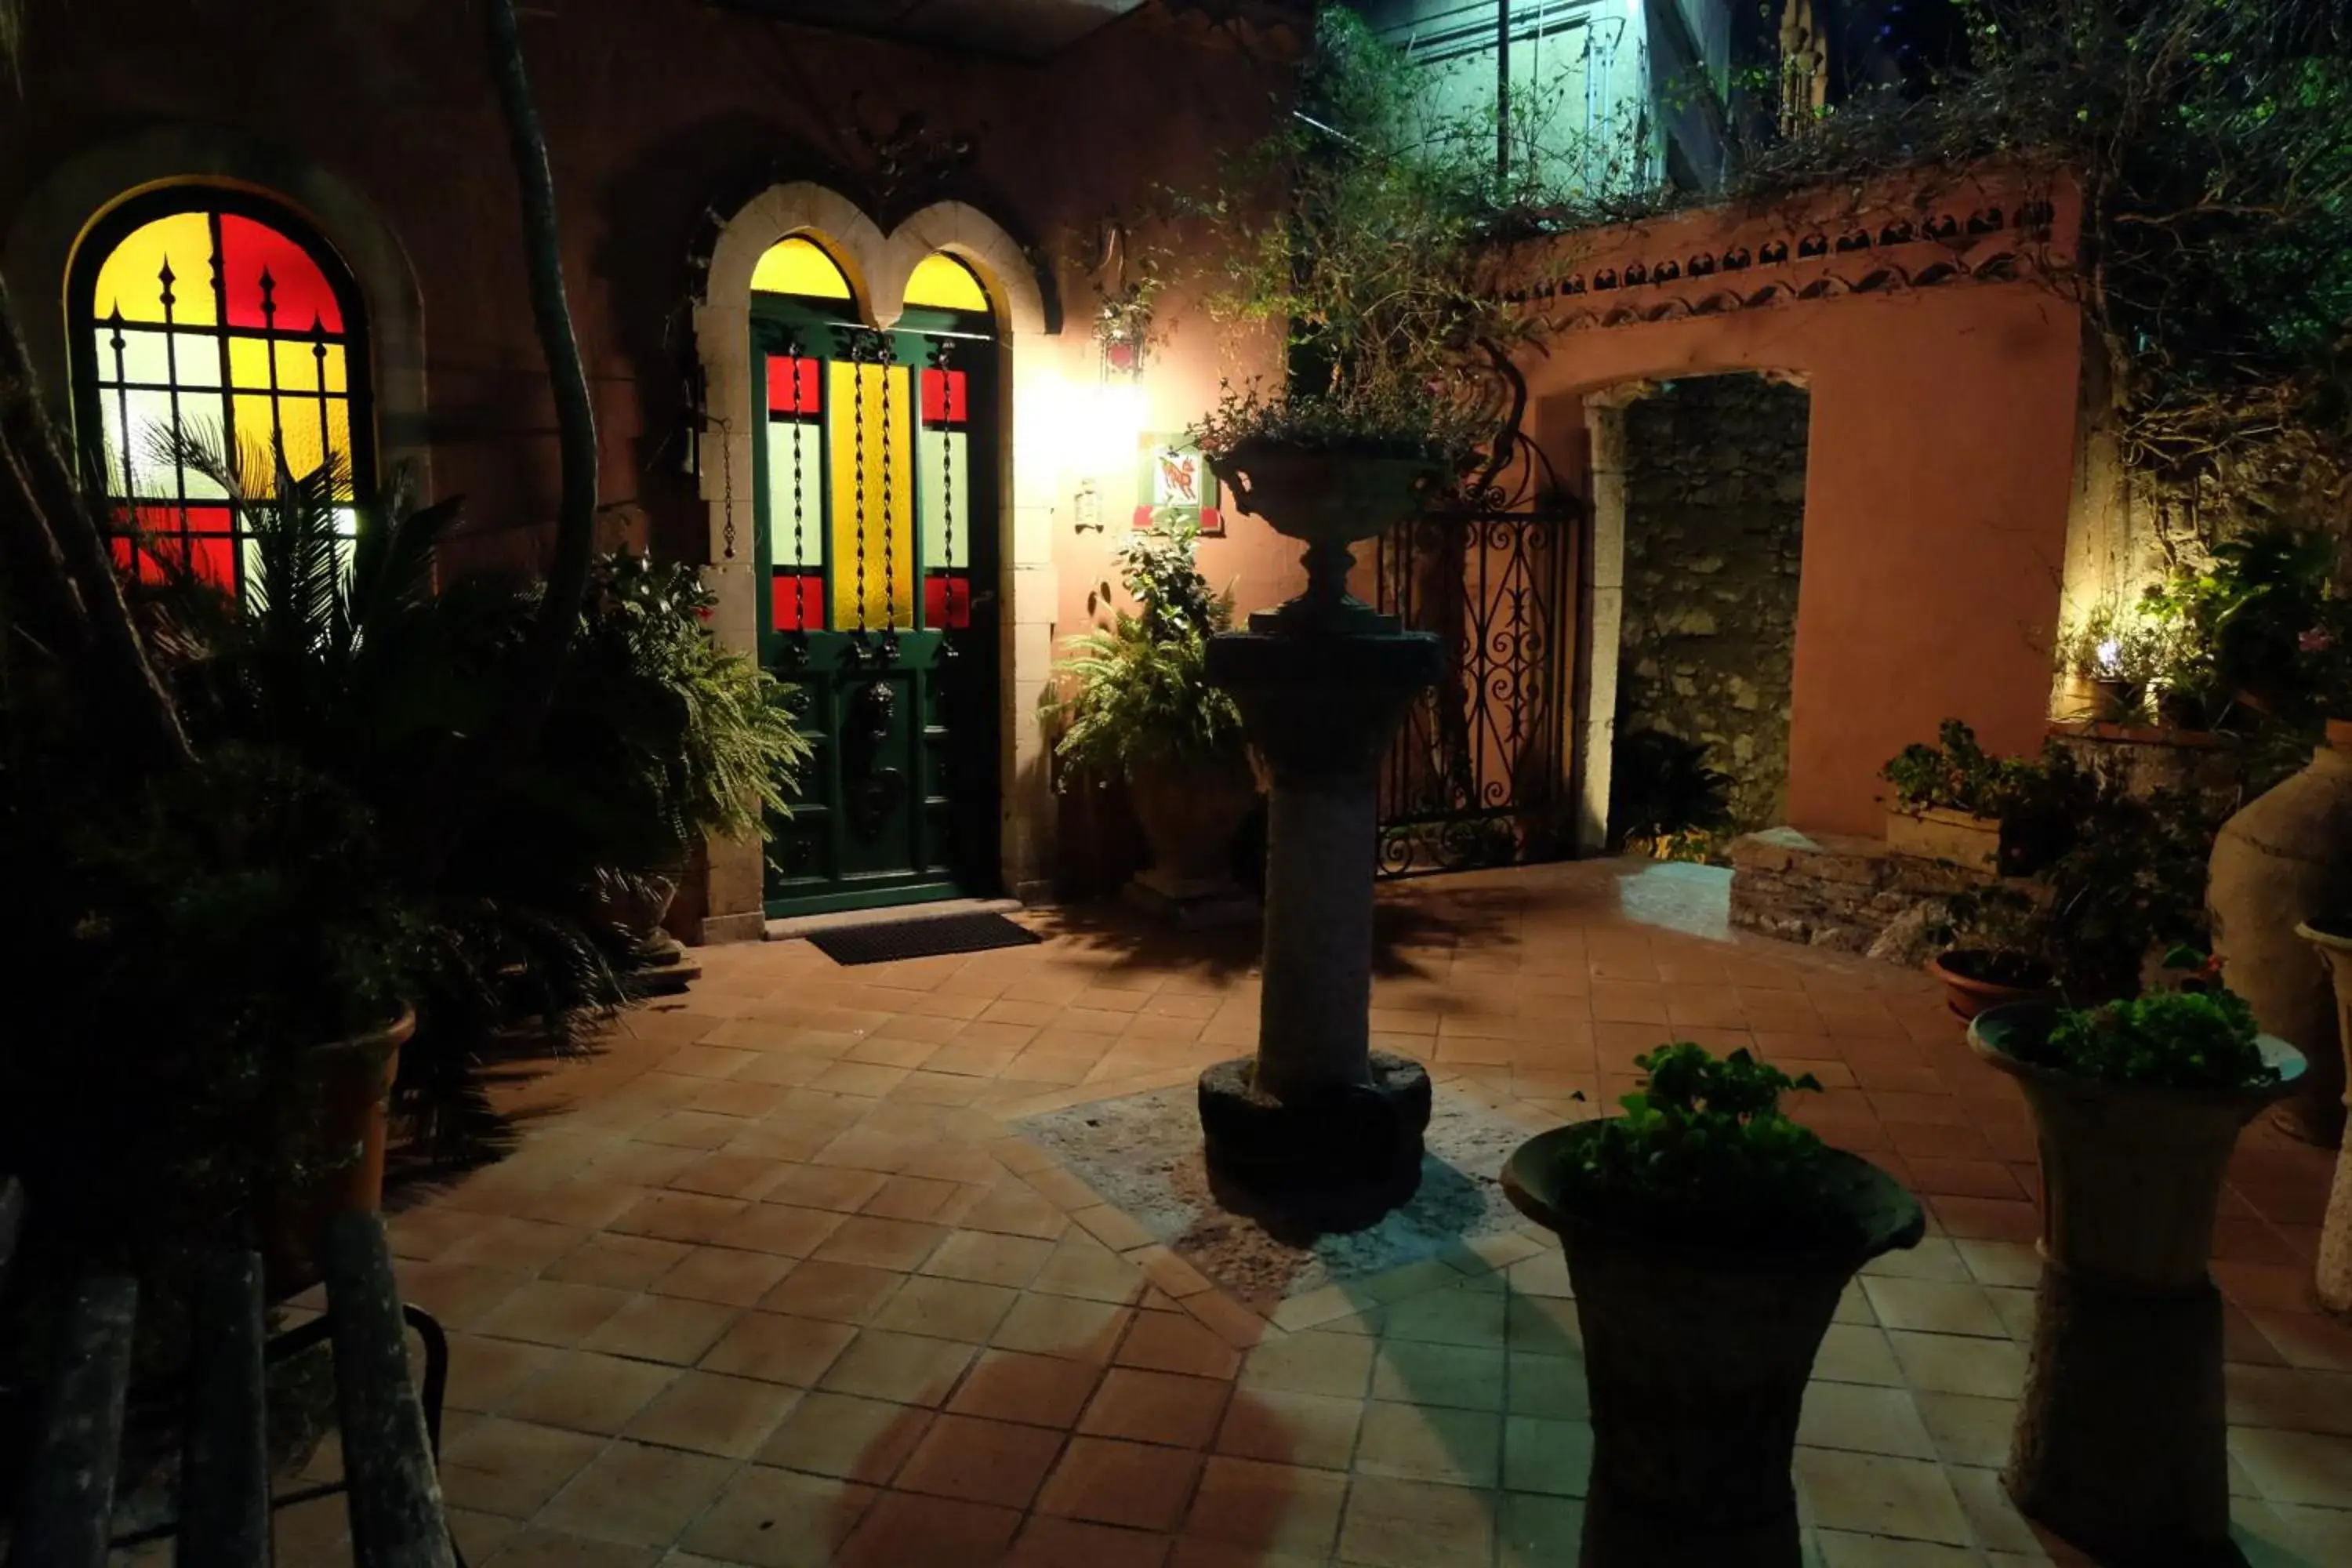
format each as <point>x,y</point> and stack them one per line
<point>1631,281</point>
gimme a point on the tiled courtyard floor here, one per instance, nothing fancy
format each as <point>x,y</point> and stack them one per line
<point>769,1282</point>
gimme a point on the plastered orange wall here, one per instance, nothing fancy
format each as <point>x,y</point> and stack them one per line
<point>1940,463</point>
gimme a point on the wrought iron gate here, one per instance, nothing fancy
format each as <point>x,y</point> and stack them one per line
<point>1479,775</point>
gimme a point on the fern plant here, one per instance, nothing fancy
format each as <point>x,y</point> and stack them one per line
<point>1136,693</point>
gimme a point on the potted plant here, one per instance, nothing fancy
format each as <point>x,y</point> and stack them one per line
<point>1362,227</point>
<point>2115,652</point>
<point>702,743</point>
<point>2119,1442</point>
<point>1956,802</point>
<point>2331,934</point>
<point>1136,702</point>
<point>1708,1237</point>
<point>1993,954</point>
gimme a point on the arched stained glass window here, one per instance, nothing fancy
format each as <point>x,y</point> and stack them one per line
<point>212,315</point>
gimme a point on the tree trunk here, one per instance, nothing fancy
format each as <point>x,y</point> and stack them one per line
<point>540,666</point>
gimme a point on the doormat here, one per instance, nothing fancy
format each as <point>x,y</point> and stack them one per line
<point>1142,1155</point>
<point>929,937</point>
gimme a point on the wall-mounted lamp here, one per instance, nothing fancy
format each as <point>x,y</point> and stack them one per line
<point>1122,329</point>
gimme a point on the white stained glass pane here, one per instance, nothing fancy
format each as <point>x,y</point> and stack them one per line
<point>946,487</point>
<point>200,416</point>
<point>158,358</point>
<point>790,441</point>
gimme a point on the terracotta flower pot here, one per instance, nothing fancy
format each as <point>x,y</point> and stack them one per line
<point>352,1079</point>
<point>2332,937</point>
<point>2119,1445</point>
<point>1697,1361</point>
<point>2285,857</point>
<point>1975,979</point>
<point>1191,815</point>
<point>2114,701</point>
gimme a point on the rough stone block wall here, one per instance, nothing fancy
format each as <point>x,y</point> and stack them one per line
<point>1715,506</point>
<point>1853,895</point>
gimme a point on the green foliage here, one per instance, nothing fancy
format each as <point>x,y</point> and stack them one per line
<point>1362,228</point>
<point>1662,792</point>
<point>1705,1155</point>
<point>715,740</point>
<point>2167,1039</point>
<point>1959,774</point>
<point>1136,692</point>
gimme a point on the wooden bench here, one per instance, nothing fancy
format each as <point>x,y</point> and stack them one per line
<point>390,1430</point>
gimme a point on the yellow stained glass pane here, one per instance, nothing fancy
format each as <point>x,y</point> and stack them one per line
<point>940,282</point>
<point>130,279</point>
<point>879,536</point>
<point>798,266</point>
<point>299,365</point>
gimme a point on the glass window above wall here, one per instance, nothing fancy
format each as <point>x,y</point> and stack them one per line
<point>1579,115</point>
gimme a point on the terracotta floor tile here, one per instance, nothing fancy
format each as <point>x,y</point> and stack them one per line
<point>678,1217</point>
<point>1465,1376</point>
<point>947,1309</point>
<point>1081,1266</point>
<point>663,1328</point>
<point>460,1295</point>
<point>617,1262</point>
<point>981,1461</point>
<point>842,1188</point>
<point>874,1243</point>
<point>842,1435</point>
<point>772,1518</point>
<point>1063,1326</point>
<point>780,1229</point>
<point>1410,1524</point>
<point>730,1417</point>
<point>551,1312</point>
<point>911,1198</point>
<point>1859,1418</point>
<point>1016,1211</point>
<point>904,1528</point>
<point>842,1292</point>
<point>1966,1429</point>
<point>1010,1385</point>
<point>1932,1307</point>
<point>512,1467</point>
<point>777,1347</point>
<point>1945,1363</point>
<point>1874,1495</point>
<point>1331,1364</point>
<point>907,1369</point>
<point>643,1495</point>
<point>1156,1408</point>
<point>1162,1341</point>
<point>584,1392</point>
<point>1110,1482</point>
<point>1552,1385</point>
<point>1049,1542</point>
<point>1268,1507</point>
<point>1308,1429</point>
<point>485,1373</point>
<point>1459,1447</point>
<point>723,1274</point>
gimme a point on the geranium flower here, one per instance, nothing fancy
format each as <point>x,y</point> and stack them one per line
<point>2319,639</point>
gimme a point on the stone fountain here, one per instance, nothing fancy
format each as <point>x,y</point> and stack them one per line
<point>1317,1125</point>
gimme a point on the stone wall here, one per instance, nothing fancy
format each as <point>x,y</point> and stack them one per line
<point>1849,894</point>
<point>1713,506</point>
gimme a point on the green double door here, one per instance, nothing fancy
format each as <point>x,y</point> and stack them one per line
<point>876,483</point>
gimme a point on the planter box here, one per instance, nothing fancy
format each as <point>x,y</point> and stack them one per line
<point>1935,833</point>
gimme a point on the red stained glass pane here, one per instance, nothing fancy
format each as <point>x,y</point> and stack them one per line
<point>208,519</point>
<point>796,602</point>
<point>782,398</point>
<point>947,603</point>
<point>297,288</point>
<point>213,557</point>
<point>944,396</point>
<point>122,548</point>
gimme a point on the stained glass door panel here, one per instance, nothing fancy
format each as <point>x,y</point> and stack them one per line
<point>868,546</point>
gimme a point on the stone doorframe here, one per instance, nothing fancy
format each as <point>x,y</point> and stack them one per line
<point>878,266</point>
<point>1600,628</point>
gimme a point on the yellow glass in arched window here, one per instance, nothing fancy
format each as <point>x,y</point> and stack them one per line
<point>873,459</point>
<point>798,266</point>
<point>940,282</point>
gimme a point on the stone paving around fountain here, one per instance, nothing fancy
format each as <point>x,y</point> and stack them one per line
<point>775,1279</point>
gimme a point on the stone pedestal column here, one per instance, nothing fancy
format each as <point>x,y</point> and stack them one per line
<point>1316,1110</point>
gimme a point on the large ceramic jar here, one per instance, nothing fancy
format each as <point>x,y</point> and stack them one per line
<point>2285,858</point>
